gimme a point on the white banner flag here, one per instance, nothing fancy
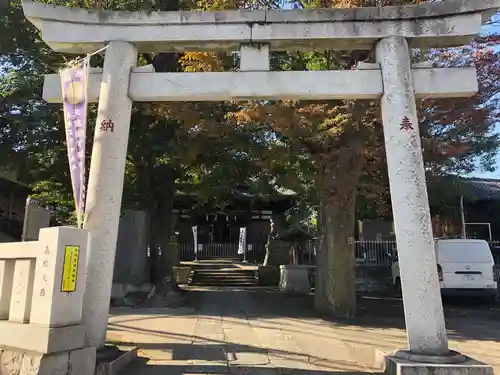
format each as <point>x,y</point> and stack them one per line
<point>243,240</point>
<point>74,90</point>
<point>195,238</point>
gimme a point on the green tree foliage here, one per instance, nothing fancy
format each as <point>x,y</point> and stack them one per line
<point>172,147</point>
<point>31,133</point>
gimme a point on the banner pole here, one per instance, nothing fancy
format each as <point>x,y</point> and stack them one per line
<point>83,190</point>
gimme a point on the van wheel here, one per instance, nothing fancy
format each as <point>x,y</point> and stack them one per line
<point>398,286</point>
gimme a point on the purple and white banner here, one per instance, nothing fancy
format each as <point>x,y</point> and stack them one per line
<point>74,92</point>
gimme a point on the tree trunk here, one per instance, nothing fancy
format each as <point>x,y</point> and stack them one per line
<point>164,218</point>
<point>335,293</point>
<point>165,62</point>
<point>153,249</point>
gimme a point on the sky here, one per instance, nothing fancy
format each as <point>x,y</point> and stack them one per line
<point>496,173</point>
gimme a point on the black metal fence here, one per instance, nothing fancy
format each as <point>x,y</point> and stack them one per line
<point>255,252</point>
<point>372,253</point>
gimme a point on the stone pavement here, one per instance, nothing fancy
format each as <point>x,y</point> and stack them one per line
<point>264,332</point>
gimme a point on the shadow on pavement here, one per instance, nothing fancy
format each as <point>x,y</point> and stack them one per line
<point>160,369</point>
<point>294,316</point>
<point>466,319</point>
<point>213,359</point>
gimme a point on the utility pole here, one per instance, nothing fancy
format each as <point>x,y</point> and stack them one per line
<point>462,217</point>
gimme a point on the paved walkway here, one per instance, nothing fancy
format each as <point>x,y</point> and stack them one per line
<point>264,332</point>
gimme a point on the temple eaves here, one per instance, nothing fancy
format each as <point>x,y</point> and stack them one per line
<point>77,30</point>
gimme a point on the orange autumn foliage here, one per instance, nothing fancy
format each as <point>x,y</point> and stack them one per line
<point>325,128</point>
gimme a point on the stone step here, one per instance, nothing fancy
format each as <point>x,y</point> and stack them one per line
<point>199,283</point>
<point>226,273</point>
<point>222,275</point>
<point>223,280</point>
<point>225,277</point>
<point>219,281</point>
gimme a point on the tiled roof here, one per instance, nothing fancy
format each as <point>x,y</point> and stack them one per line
<point>481,189</point>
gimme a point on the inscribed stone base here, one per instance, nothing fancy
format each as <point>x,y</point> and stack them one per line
<point>74,362</point>
<point>181,275</point>
<point>269,275</point>
<point>41,339</point>
<point>398,366</point>
<point>294,278</point>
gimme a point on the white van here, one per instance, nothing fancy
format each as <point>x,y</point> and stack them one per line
<point>465,268</point>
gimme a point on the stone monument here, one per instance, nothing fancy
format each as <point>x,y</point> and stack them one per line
<point>42,285</point>
<point>393,80</point>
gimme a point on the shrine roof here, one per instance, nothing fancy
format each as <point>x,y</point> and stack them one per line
<point>238,199</point>
<point>481,189</point>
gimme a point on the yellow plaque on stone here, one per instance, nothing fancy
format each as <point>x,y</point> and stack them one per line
<point>70,269</point>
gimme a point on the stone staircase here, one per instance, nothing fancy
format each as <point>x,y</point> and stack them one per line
<point>223,276</point>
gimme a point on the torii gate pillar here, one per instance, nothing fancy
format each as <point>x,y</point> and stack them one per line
<point>104,194</point>
<point>423,308</point>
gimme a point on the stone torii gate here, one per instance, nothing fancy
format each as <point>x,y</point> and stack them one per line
<point>393,80</point>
